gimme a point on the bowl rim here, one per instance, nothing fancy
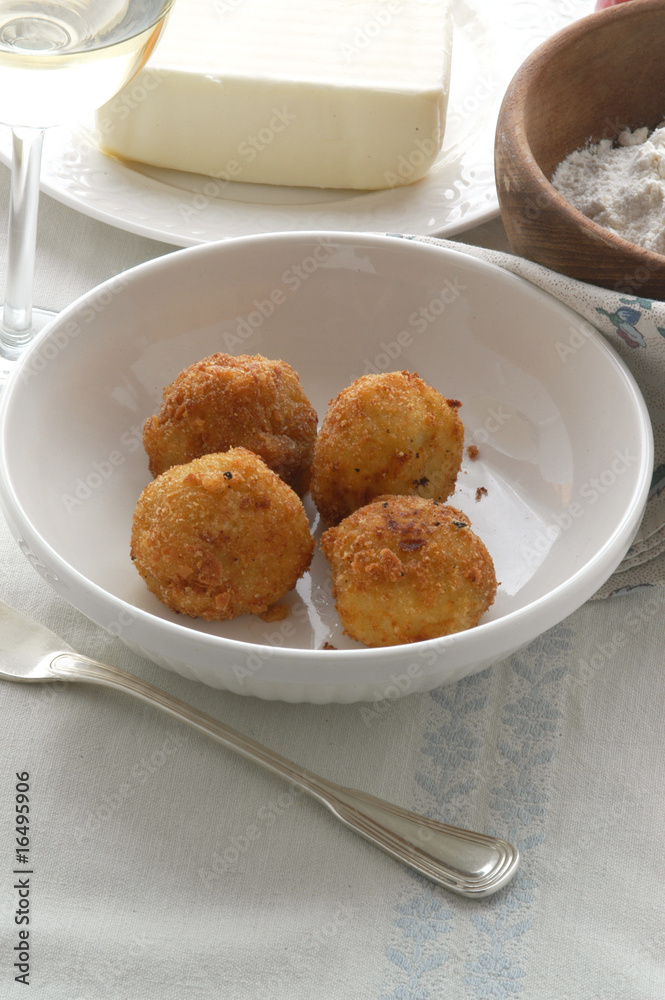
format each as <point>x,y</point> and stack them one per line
<point>511,119</point>
<point>564,597</point>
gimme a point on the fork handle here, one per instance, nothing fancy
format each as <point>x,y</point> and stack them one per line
<point>470,864</point>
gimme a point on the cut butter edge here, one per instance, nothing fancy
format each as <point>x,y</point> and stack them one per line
<point>308,93</point>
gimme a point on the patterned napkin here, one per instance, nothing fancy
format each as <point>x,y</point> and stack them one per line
<point>635,328</point>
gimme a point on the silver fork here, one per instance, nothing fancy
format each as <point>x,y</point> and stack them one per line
<point>471,864</point>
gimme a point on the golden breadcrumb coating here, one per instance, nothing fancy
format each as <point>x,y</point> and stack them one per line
<point>220,536</point>
<point>406,569</point>
<point>227,402</point>
<point>389,433</point>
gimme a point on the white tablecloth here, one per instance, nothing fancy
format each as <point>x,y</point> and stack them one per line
<point>162,866</point>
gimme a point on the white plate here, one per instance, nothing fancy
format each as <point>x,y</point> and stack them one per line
<point>563,500</point>
<point>492,37</point>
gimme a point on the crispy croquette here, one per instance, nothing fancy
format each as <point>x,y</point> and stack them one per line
<point>389,433</point>
<point>405,569</point>
<point>220,536</point>
<point>227,402</point>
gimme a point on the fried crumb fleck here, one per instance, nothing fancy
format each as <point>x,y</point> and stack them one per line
<point>275,613</point>
<point>472,452</point>
<point>328,645</point>
<point>481,492</point>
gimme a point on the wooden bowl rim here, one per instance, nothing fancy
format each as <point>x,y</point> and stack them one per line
<point>511,120</point>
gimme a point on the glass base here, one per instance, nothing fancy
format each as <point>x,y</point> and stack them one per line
<point>9,356</point>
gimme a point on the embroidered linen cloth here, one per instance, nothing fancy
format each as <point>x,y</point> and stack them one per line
<point>635,327</point>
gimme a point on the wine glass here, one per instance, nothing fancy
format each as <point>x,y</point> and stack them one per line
<point>59,60</point>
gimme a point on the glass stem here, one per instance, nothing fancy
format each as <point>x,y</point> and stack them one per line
<point>16,330</point>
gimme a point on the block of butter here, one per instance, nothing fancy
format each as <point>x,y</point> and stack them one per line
<point>314,93</point>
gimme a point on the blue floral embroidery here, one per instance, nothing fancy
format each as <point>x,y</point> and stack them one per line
<point>527,738</point>
<point>423,918</point>
<point>451,753</point>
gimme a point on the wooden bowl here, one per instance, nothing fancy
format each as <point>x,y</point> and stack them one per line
<point>600,75</point>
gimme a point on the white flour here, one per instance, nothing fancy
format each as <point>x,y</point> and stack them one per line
<point>621,187</point>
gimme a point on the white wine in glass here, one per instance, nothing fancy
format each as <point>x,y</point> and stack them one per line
<point>59,61</point>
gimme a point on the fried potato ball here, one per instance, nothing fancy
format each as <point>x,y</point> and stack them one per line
<point>227,402</point>
<point>220,536</point>
<point>389,433</point>
<point>406,569</point>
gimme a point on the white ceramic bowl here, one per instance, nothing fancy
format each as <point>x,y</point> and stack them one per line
<point>563,436</point>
